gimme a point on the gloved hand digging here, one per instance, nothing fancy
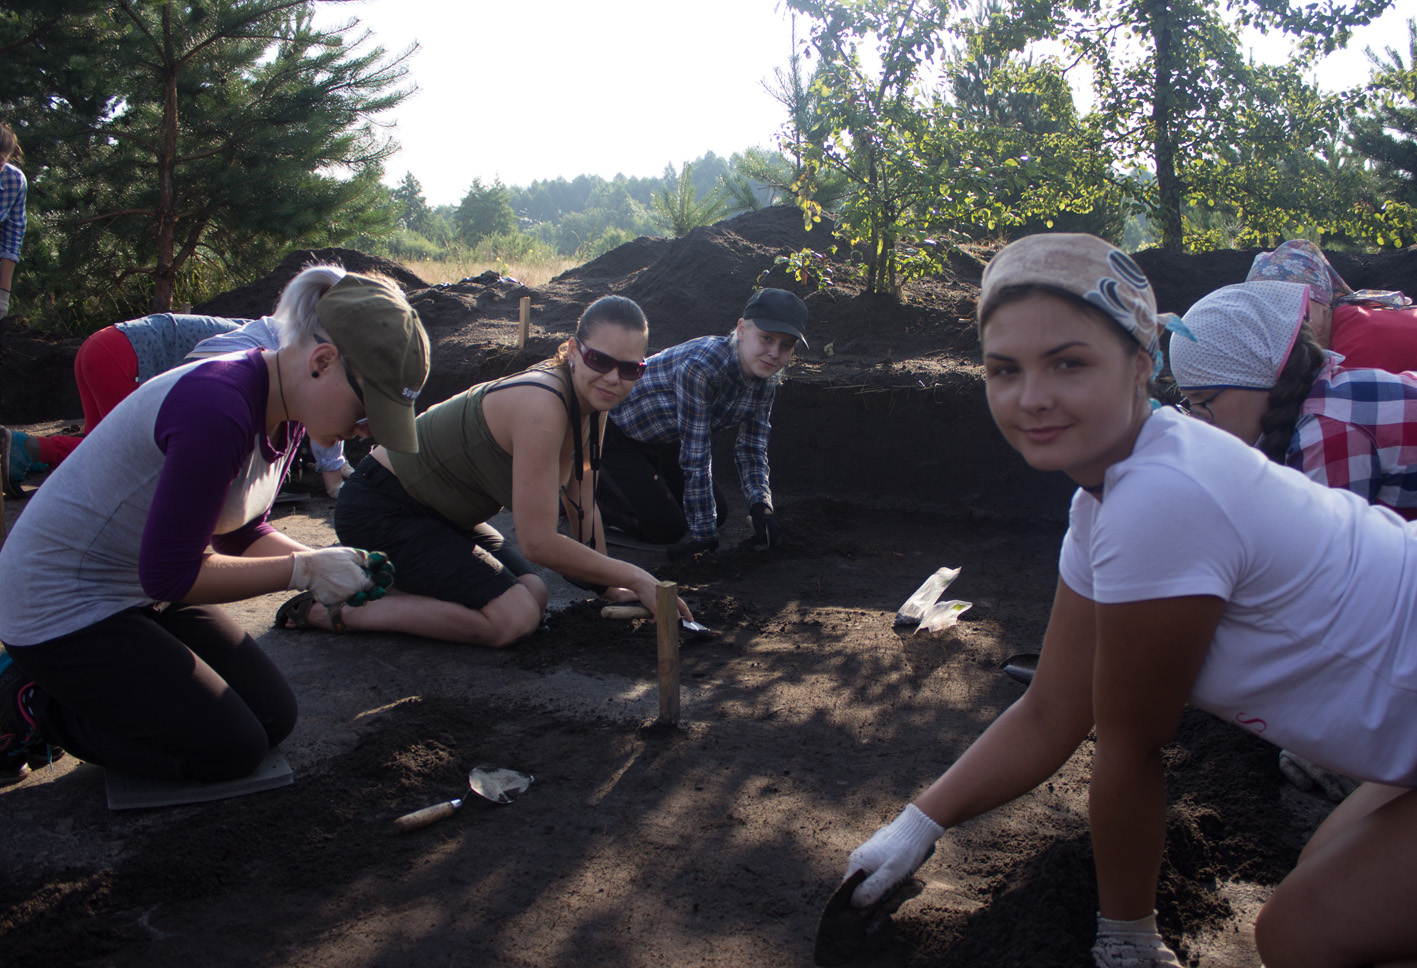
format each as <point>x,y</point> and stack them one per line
<point>1131,944</point>
<point>766,527</point>
<point>892,854</point>
<point>381,569</point>
<point>331,574</point>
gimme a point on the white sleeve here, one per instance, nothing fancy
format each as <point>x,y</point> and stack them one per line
<point>1163,535</point>
<point>1075,559</point>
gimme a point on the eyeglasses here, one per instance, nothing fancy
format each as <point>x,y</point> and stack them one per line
<point>604,363</point>
<point>1200,409</point>
<point>362,424</point>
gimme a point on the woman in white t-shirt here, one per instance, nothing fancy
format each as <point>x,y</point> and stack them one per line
<point>1193,570</point>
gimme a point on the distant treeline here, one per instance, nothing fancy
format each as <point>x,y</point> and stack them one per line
<point>582,217</point>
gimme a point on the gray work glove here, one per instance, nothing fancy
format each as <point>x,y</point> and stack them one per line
<point>1131,944</point>
<point>331,574</point>
<point>1308,775</point>
<point>892,854</point>
<point>4,302</point>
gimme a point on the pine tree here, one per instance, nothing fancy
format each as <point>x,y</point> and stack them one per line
<point>236,130</point>
<point>1388,134</point>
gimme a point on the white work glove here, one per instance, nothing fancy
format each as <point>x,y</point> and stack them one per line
<point>4,302</point>
<point>1306,775</point>
<point>892,854</point>
<point>331,574</point>
<point>1131,944</point>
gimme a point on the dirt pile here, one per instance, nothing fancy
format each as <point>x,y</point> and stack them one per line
<point>912,361</point>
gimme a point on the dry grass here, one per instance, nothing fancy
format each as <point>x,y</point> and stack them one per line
<point>435,271</point>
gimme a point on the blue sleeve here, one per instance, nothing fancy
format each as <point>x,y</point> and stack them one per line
<point>13,190</point>
<point>750,451</point>
<point>693,391</point>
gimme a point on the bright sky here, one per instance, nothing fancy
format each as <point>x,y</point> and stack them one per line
<point>539,89</point>
<point>542,89</point>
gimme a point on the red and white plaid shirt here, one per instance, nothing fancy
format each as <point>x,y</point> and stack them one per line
<point>1358,430</point>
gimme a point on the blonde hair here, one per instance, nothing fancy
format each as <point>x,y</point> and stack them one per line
<point>295,317</point>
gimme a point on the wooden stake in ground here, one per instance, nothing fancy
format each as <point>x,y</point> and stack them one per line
<point>666,601</point>
<point>525,331</point>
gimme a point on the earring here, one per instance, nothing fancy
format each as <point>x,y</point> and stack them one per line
<point>314,374</point>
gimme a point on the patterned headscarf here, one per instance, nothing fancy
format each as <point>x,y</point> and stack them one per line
<point>1299,260</point>
<point>1238,336</point>
<point>1085,266</point>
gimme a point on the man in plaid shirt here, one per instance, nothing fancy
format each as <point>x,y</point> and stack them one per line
<point>656,481</point>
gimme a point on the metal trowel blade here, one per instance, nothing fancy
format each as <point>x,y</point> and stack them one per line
<point>694,628</point>
<point>846,933</point>
<point>498,785</point>
<point>1021,667</point>
<point>926,595</point>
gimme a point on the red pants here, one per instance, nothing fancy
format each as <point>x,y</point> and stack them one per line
<point>106,370</point>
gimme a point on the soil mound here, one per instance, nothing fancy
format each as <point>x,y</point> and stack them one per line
<point>911,362</point>
<point>258,298</point>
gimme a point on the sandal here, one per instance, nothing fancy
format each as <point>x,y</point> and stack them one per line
<point>294,615</point>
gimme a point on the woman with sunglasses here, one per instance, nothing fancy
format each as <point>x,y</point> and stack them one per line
<point>526,442</point>
<point>1246,360</point>
<point>115,649</point>
<point>1193,570</point>
<point>659,483</point>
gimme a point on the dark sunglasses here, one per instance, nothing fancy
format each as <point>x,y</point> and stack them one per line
<point>362,424</point>
<point>604,363</point>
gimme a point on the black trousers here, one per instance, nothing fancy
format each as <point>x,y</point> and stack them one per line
<point>178,694</point>
<point>641,489</point>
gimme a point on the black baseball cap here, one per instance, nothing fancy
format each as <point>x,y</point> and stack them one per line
<point>777,311</point>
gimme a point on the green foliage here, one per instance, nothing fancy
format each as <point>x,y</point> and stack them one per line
<point>484,211</point>
<point>868,129</point>
<point>1188,143</point>
<point>411,207</point>
<point>510,248</point>
<point>227,133</point>
<point>678,207</point>
<point>1173,91</point>
<point>611,238</point>
<point>807,266</point>
<point>1386,135</point>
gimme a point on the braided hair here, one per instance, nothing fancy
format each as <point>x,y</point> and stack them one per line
<point>1292,387</point>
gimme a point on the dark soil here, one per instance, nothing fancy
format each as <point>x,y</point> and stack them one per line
<point>807,721</point>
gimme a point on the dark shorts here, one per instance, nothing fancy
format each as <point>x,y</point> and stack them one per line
<point>430,555</point>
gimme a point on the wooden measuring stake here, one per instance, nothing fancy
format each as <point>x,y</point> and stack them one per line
<point>666,601</point>
<point>525,332</point>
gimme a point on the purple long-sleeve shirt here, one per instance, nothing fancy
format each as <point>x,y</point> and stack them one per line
<point>183,462</point>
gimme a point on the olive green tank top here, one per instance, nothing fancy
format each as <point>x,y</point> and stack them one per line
<point>460,470</point>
